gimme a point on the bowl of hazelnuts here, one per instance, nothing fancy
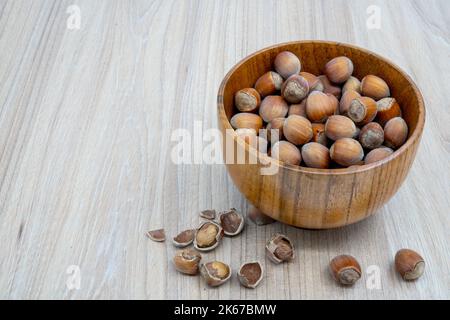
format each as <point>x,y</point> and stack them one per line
<point>328,131</point>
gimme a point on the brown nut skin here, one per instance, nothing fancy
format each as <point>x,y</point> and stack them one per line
<point>297,130</point>
<point>328,87</point>
<point>362,110</point>
<point>287,64</point>
<point>338,127</point>
<point>275,124</point>
<point>295,89</point>
<point>313,81</point>
<point>374,87</point>
<point>232,222</point>
<point>339,69</point>
<point>353,84</point>
<point>335,103</point>
<point>298,109</point>
<point>346,99</point>
<point>286,152</point>
<point>208,236</point>
<point>247,100</point>
<point>246,121</point>
<point>316,155</point>
<point>273,107</point>
<point>346,152</point>
<point>215,273</point>
<point>187,261</point>
<point>157,235</point>
<point>387,108</point>
<point>319,135</point>
<point>395,133</point>
<point>280,249</point>
<point>371,136</point>
<point>409,264</point>
<point>268,83</point>
<point>378,154</point>
<point>319,106</point>
<point>250,274</point>
<point>345,269</point>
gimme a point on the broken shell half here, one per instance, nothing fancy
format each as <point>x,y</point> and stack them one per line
<point>157,235</point>
<point>215,273</point>
<point>184,238</point>
<point>250,274</point>
<point>232,222</point>
<point>280,248</point>
<point>208,236</point>
<point>187,261</point>
<point>259,218</point>
<point>208,214</point>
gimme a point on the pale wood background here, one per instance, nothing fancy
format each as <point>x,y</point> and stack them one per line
<point>85,123</point>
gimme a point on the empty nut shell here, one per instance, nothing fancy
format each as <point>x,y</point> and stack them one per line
<point>362,110</point>
<point>247,121</point>
<point>352,84</point>
<point>298,109</point>
<point>313,81</point>
<point>280,249</point>
<point>184,238</point>
<point>247,100</point>
<point>346,99</point>
<point>319,106</point>
<point>328,87</point>
<point>395,133</point>
<point>295,89</point>
<point>258,217</point>
<point>210,214</point>
<point>250,274</point>
<point>287,64</point>
<point>345,269</point>
<point>208,236</point>
<point>157,235</point>
<point>268,83</point>
<point>371,135</point>
<point>339,69</point>
<point>273,107</point>
<point>409,264</point>
<point>286,152</point>
<point>297,130</point>
<point>346,152</point>
<point>232,222</point>
<point>187,261</point>
<point>215,273</point>
<point>316,155</point>
<point>319,135</point>
<point>378,154</point>
<point>338,127</point>
<point>387,108</point>
<point>374,87</point>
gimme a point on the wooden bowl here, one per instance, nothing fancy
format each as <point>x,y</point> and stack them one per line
<point>319,198</point>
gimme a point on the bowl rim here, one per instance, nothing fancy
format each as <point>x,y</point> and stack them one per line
<point>338,171</point>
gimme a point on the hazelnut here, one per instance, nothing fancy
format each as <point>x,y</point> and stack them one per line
<point>388,108</point>
<point>184,238</point>
<point>319,106</point>
<point>345,269</point>
<point>298,109</point>
<point>378,154</point>
<point>295,89</point>
<point>352,84</point>
<point>319,135</point>
<point>275,124</point>
<point>248,135</point>
<point>258,217</point>
<point>314,83</point>
<point>286,152</point>
<point>395,132</point>
<point>328,87</point>
<point>339,69</point>
<point>250,274</point>
<point>215,273</point>
<point>247,100</point>
<point>316,155</point>
<point>334,102</point>
<point>409,264</point>
<point>187,261</point>
<point>362,110</point>
<point>247,121</point>
<point>157,235</point>
<point>210,214</point>
<point>374,87</point>
<point>280,248</point>
<point>371,136</point>
<point>287,64</point>
<point>268,83</point>
<point>346,99</point>
<point>346,152</point>
<point>208,236</point>
<point>232,222</point>
<point>297,129</point>
<point>273,107</point>
<point>338,127</point>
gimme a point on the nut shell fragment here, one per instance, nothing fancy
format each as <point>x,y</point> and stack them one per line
<point>208,236</point>
<point>250,274</point>
<point>232,222</point>
<point>209,214</point>
<point>280,249</point>
<point>187,261</point>
<point>215,273</point>
<point>184,238</point>
<point>157,235</point>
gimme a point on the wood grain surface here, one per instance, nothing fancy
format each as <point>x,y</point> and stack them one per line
<point>85,147</point>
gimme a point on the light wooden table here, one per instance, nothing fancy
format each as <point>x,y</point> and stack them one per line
<point>86,117</point>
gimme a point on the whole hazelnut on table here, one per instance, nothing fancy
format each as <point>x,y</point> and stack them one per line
<point>286,64</point>
<point>295,89</point>
<point>319,135</point>
<point>247,100</point>
<point>346,99</point>
<point>374,87</point>
<point>316,155</point>
<point>297,130</point>
<point>409,264</point>
<point>378,154</point>
<point>247,121</point>
<point>345,269</point>
<point>395,133</point>
<point>298,109</point>
<point>273,107</point>
<point>328,87</point>
<point>319,106</point>
<point>347,152</point>
<point>387,108</point>
<point>339,69</point>
<point>352,84</point>
<point>286,152</point>
<point>215,273</point>
<point>338,127</point>
<point>362,110</point>
<point>187,261</point>
<point>268,83</point>
<point>275,124</point>
<point>371,135</point>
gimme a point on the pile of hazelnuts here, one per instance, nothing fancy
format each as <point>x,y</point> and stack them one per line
<point>327,121</point>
